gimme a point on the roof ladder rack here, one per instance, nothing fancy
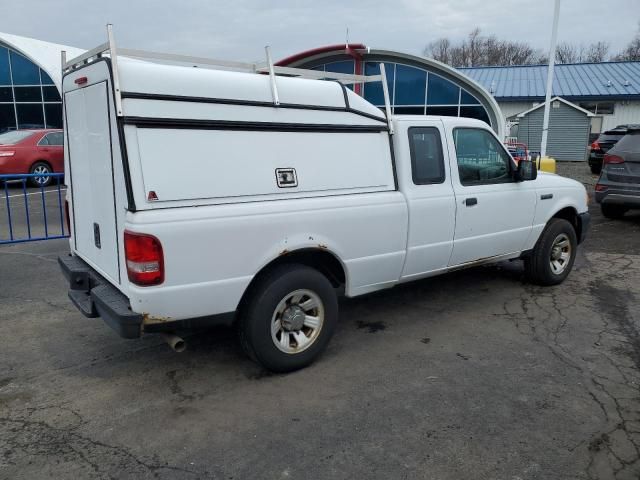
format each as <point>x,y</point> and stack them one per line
<point>268,67</point>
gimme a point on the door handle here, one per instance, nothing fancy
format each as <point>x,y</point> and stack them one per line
<point>469,202</point>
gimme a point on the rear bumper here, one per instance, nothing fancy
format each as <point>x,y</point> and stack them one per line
<point>615,195</point>
<point>95,297</point>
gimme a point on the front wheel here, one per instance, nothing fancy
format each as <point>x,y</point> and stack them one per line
<point>289,318</point>
<point>40,168</point>
<point>553,256</point>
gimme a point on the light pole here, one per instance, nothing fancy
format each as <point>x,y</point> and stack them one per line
<point>552,61</point>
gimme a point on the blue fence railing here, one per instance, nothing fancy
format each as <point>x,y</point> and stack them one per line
<point>32,213</point>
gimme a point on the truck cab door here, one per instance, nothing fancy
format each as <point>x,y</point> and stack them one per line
<point>424,177</point>
<point>494,214</point>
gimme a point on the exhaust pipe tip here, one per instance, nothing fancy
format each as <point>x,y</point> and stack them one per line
<point>176,343</point>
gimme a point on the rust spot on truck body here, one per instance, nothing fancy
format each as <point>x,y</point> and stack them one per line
<point>147,319</point>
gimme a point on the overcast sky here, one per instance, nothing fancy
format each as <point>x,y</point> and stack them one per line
<point>239,29</point>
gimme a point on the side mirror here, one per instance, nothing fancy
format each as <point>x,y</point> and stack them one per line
<point>526,171</point>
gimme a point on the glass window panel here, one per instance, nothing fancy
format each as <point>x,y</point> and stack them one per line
<point>6,94</point>
<point>30,115</point>
<point>605,108</point>
<point>443,111</point>
<point>475,112</point>
<point>410,85</point>
<point>481,158</point>
<point>28,94</point>
<point>427,161</point>
<point>55,138</point>
<point>346,66</point>
<point>591,106</point>
<point>373,90</point>
<point>24,71</point>
<point>46,79</point>
<point>5,76</point>
<point>7,117</point>
<point>53,111</point>
<point>44,140</point>
<point>408,110</point>
<point>14,137</point>
<point>442,92</point>
<point>51,94</point>
<point>467,98</point>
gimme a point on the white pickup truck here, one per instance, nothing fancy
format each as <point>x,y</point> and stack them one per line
<point>198,196</point>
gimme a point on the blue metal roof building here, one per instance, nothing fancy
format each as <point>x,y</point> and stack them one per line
<point>609,90</point>
<point>583,81</point>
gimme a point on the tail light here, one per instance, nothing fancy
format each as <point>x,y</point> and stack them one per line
<point>612,159</point>
<point>600,188</point>
<point>7,153</point>
<point>67,217</point>
<point>144,257</point>
<point>595,146</point>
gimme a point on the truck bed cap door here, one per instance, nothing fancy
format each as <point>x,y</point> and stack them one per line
<point>92,182</point>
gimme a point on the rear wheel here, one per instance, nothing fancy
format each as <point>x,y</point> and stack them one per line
<point>613,211</point>
<point>40,168</point>
<point>289,318</point>
<point>553,256</point>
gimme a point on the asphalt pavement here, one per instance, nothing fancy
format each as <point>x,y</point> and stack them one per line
<point>471,375</point>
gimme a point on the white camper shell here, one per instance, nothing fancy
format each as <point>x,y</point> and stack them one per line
<point>199,195</point>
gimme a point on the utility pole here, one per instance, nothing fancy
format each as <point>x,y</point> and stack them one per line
<point>552,62</point>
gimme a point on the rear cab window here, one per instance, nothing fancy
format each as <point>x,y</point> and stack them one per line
<point>481,158</point>
<point>427,160</point>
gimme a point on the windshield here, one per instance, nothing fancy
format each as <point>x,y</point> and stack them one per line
<point>16,136</point>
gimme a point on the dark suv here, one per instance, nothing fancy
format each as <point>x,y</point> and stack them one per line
<point>618,188</point>
<point>604,143</point>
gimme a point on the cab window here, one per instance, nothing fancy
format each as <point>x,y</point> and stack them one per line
<point>427,162</point>
<point>481,157</point>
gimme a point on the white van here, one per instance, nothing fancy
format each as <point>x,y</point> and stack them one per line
<point>198,196</point>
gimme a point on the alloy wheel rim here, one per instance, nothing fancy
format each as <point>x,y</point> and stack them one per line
<point>40,170</point>
<point>560,254</point>
<point>297,321</point>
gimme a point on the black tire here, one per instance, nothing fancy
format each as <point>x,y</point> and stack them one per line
<point>596,169</point>
<point>40,167</point>
<point>538,266</point>
<point>614,212</point>
<point>256,316</point>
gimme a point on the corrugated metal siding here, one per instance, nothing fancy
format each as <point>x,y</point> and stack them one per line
<point>574,80</point>
<point>510,109</point>
<point>623,112</point>
<point>568,132</point>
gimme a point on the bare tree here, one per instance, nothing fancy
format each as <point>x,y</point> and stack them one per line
<point>477,50</point>
<point>572,53</point>
<point>480,50</point>
<point>440,50</point>
<point>631,51</point>
<point>567,53</point>
<point>597,52</point>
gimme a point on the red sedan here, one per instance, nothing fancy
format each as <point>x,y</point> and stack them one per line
<point>32,151</point>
